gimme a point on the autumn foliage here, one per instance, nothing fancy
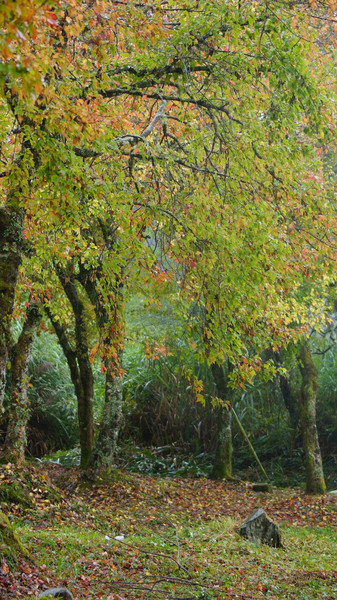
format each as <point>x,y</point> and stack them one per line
<point>163,144</point>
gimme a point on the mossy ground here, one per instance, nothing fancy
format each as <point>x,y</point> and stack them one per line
<point>15,493</point>
<point>10,545</point>
<point>180,541</point>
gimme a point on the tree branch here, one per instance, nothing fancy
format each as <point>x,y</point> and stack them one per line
<point>130,138</point>
<point>113,93</point>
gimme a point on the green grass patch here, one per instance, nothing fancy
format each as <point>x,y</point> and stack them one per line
<point>201,560</point>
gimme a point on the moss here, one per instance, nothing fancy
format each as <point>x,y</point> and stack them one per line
<point>13,492</point>
<point>10,545</point>
<point>53,494</point>
<point>222,467</point>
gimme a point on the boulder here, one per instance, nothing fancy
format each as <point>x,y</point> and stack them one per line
<point>261,487</point>
<point>57,592</point>
<point>259,528</point>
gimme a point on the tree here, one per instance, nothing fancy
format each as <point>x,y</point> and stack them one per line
<point>222,467</point>
<point>19,409</point>
<point>307,420</point>
<point>222,164</point>
<point>108,308</point>
<point>78,359</point>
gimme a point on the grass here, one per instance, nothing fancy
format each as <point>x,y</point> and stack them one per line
<point>180,541</point>
<point>213,552</point>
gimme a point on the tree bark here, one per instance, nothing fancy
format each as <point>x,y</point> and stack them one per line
<point>11,241</point>
<point>110,325</point>
<point>103,455</point>
<point>12,216</point>
<point>79,365</point>
<point>222,466</point>
<point>19,410</point>
<point>315,483</point>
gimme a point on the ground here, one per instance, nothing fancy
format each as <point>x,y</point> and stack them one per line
<point>141,537</point>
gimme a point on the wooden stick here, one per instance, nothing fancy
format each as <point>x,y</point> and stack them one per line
<point>249,443</point>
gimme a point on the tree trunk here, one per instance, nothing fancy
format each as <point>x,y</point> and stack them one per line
<point>291,403</point>
<point>84,390</point>
<point>103,455</point>
<point>11,226</point>
<point>79,366</point>
<point>315,483</point>
<point>85,410</point>
<point>110,323</point>
<point>222,466</point>
<point>19,410</point>
<point>12,216</point>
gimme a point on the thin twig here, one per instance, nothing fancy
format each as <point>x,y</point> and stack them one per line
<point>148,552</point>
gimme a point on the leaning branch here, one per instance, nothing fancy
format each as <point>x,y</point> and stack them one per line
<point>114,92</point>
<point>157,72</point>
<point>130,138</point>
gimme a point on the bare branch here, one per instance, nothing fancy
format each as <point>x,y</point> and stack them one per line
<point>113,93</point>
<point>130,138</point>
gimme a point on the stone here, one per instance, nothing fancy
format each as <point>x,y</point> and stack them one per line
<point>261,487</point>
<point>259,528</point>
<point>57,592</point>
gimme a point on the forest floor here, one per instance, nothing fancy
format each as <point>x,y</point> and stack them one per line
<point>138,537</point>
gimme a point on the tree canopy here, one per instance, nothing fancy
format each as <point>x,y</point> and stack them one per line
<point>155,140</point>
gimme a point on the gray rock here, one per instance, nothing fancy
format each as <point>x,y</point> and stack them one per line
<point>57,592</point>
<point>259,528</point>
<point>261,487</point>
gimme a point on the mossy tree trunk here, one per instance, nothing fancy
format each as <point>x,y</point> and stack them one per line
<point>110,323</point>
<point>222,466</point>
<point>19,409</point>
<point>11,223</point>
<point>79,365</point>
<point>11,248</point>
<point>12,215</point>
<point>83,390</point>
<point>103,455</point>
<point>10,545</point>
<point>315,483</point>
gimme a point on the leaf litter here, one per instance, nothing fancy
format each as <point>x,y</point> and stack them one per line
<point>141,537</point>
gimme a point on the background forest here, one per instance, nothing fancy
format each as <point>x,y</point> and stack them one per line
<point>164,429</point>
